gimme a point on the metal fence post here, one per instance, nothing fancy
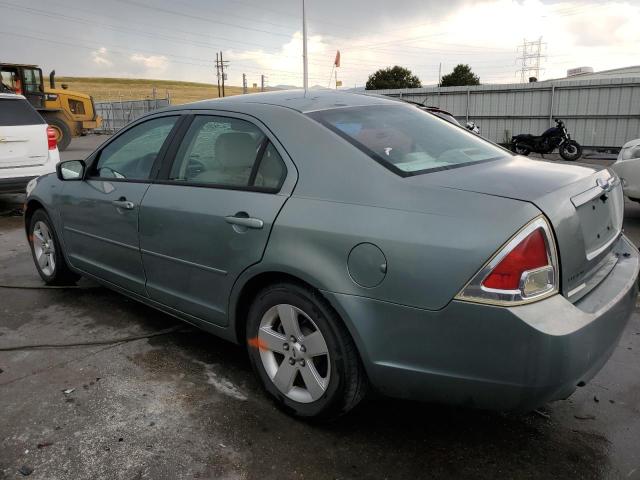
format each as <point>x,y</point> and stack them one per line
<point>553,92</point>
<point>468,96</point>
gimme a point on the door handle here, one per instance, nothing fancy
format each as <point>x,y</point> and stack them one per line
<point>247,222</point>
<point>124,204</point>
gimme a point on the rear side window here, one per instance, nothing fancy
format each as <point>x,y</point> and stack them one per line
<point>18,112</point>
<point>407,140</point>
<point>218,151</point>
<point>271,171</point>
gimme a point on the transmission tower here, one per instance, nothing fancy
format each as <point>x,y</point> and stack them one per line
<point>530,58</point>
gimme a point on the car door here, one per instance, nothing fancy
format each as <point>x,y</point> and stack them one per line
<point>209,215</point>
<point>100,214</point>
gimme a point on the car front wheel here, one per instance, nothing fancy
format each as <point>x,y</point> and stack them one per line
<point>47,252</point>
<point>303,354</point>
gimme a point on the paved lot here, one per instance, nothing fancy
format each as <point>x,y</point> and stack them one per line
<point>185,404</point>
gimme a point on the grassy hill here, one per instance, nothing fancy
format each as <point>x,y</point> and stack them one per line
<point>105,89</point>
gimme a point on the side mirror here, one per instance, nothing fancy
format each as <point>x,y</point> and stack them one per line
<point>71,170</point>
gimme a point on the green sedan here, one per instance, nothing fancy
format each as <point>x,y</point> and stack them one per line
<point>352,243</point>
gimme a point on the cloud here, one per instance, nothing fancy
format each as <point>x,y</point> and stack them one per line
<point>100,57</point>
<point>150,62</point>
<point>612,27</point>
<point>285,65</point>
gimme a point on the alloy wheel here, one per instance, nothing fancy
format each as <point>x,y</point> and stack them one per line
<point>44,248</point>
<point>294,353</point>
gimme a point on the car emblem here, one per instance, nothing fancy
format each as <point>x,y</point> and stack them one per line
<point>606,185</point>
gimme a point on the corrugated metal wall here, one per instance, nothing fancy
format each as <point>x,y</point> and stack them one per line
<point>598,113</point>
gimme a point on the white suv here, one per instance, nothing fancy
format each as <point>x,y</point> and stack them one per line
<point>27,144</point>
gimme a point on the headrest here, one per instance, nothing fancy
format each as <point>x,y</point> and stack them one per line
<point>235,150</point>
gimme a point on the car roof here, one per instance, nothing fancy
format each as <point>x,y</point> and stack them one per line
<point>299,100</point>
<point>24,65</point>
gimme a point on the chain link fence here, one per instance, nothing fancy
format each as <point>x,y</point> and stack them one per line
<point>116,115</point>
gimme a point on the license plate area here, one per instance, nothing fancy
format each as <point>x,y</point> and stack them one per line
<point>600,214</point>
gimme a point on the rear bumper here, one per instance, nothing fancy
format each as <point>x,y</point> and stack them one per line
<point>14,180</point>
<point>493,357</point>
<point>14,185</point>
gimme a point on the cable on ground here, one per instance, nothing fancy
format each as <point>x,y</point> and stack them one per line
<point>131,338</point>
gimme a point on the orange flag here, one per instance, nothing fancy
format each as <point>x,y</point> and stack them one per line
<point>337,61</point>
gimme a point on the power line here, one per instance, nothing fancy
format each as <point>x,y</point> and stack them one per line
<point>202,19</point>
<point>155,34</point>
<point>135,31</point>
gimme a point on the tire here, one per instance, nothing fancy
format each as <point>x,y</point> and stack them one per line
<point>519,150</point>
<point>47,251</point>
<point>63,132</point>
<point>571,150</point>
<point>322,386</point>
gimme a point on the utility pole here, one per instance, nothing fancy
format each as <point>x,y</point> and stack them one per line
<point>305,69</point>
<point>222,69</point>
<point>244,83</point>
<point>262,83</point>
<point>530,58</point>
<point>218,73</point>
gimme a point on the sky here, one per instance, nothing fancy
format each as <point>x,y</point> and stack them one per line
<point>178,39</point>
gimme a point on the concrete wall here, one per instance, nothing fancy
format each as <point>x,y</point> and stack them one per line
<point>598,113</point>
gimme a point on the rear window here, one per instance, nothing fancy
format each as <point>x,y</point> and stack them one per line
<point>17,112</point>
<point>407,140</point>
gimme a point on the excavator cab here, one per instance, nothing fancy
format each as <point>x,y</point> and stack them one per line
<point>24,80</point>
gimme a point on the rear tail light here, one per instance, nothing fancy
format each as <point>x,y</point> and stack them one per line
<point>524,270</point>
<point>51,138</point>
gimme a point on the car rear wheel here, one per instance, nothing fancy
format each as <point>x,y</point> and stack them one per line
<point>303,354</point>
<point>47,252</point>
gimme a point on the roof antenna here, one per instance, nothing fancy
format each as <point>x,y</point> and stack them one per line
<point>305,69</point>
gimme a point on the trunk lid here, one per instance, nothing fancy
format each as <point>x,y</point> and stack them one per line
<point>23,146</point>
<point>584,204</point>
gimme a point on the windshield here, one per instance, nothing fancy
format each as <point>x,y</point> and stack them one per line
<point>407,140</point>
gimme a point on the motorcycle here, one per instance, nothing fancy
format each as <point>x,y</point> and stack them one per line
<point>471,126</point>
<point>554,137</point>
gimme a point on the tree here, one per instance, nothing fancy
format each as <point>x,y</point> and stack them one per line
<point>461,76</point>
<point>392,77</point>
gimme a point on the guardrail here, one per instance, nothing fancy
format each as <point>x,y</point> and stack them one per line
<point>116,115</point>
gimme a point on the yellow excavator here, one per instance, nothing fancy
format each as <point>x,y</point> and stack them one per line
<point>69,113</point>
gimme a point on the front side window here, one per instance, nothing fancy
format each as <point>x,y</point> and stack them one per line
<point>32,80</point>
<point>220,151</point>
<point>407,140</point>
<point>9,80</point>
<point>132,154</point>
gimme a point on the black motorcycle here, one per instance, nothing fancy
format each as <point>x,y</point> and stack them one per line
<point>555,137</point>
